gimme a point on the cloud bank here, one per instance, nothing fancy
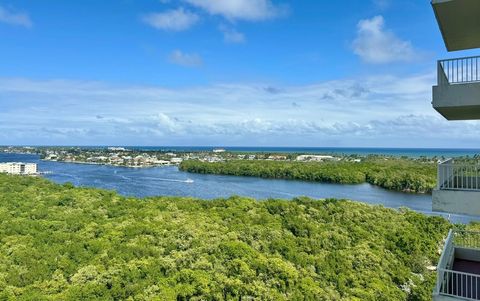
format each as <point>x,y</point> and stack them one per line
<point>375,111</point>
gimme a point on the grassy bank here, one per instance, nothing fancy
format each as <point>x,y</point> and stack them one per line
<point>394,174</point>
<point>59,242</point>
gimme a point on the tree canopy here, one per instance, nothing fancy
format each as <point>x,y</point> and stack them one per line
<point>58,242</point>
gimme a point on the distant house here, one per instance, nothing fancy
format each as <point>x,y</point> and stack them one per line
<point>51,157</point>
<point>318,158</point>
<point>176,160</point>
<point>277,157</point>
<point>18,168</point>
<point>116,160</point>
<point>162,162</point>
<point>213,159</point>
<point>113,149</point>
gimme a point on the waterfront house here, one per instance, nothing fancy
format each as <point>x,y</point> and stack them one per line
<point>161,162</point>
<point>314,158</point>
<point>18,168</point>
<point>176,160</point>
<point>277,158</point>
<point>457,97</point>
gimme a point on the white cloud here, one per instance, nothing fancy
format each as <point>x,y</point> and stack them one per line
<point>382,4</point>
<point>247,10</point>
<point>250,10</point>
<point>169,124</point>
<point>185,59</point>
<point>231,35</point>
<point>376,44</point>
<point>12,18</point>
<point>172,20</point>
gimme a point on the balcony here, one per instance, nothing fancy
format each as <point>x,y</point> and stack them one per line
<point>457,94</point>
<point>458,187</point>
<point>458,271</point>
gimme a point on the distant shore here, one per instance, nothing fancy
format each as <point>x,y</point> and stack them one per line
<point>108,164</point>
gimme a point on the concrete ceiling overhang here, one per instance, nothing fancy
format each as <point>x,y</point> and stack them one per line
<point>459,22</point>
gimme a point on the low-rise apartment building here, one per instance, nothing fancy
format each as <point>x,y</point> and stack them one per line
<point>18,168</point>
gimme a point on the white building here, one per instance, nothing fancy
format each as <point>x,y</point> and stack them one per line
<point>17,168</point>
<point>119,149</point>
<point>161,162</point>
<point>176,160</point>
<point>457,97</point>
<point>314,158</point>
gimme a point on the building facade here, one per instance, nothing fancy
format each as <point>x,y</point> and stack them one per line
<point>17,168</point>
<point>457,97</point>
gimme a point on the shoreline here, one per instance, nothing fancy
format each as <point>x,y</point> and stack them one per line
<point>456,218</point>
<point>109,164</point>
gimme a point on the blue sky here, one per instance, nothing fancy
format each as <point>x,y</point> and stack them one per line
<point>229,72</point>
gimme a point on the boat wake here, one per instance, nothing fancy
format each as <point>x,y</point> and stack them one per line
<point>175,180</point>
<point>188,181</point>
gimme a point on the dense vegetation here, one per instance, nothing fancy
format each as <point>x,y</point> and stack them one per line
<point>59,242</point>
<point>395,174</point>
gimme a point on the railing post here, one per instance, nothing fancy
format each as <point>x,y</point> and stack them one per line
<point>439,176</point>
<point>441,76</point>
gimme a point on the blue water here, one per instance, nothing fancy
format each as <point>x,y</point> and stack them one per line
<point>409,152</point>
<point>170,181</point>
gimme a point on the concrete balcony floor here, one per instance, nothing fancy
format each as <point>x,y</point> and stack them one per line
<point>466,266</point>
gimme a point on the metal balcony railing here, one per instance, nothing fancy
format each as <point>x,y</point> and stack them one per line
<point>450,282</point>
<point>466,239</point>
<point>459,71</point>
<point>463,175</point>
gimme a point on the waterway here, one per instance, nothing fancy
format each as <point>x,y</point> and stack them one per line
<point>160,181</point>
